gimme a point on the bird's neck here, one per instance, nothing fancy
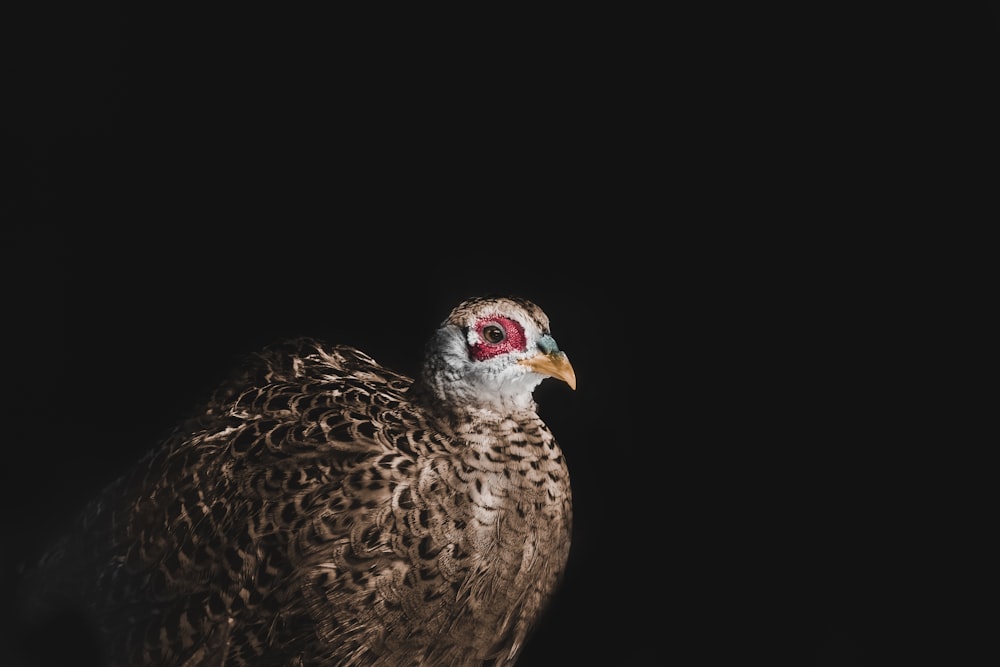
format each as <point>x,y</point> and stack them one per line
<point>465,402</point>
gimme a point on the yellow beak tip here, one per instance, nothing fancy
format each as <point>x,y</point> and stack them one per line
<point>553,365</point>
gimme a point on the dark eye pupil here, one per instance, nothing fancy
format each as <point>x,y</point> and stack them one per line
<point>493,334</point>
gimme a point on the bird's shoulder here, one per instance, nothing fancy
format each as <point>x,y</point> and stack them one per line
<point>312,365</point>
<point>302,395</point>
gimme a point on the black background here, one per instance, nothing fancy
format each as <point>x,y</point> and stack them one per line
<point>708,208</point>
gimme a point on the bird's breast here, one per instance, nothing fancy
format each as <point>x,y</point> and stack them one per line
<point>505,493</point>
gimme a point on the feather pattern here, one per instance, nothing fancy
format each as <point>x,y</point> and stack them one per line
<point>324,510</point>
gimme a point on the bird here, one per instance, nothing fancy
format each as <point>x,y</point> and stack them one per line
<point>320,509</point>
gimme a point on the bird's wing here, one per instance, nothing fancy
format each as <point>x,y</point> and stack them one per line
<point>209,524</point>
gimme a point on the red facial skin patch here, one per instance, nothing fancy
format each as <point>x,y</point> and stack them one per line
<point>514,339</point>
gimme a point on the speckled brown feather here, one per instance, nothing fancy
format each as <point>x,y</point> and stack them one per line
<point>324,510</point>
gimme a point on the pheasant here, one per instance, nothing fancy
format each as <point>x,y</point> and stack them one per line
<point>324,510</point>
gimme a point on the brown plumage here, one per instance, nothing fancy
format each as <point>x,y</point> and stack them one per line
<point>324,510</point>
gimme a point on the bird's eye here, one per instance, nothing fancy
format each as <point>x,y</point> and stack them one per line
<point>493,334</point>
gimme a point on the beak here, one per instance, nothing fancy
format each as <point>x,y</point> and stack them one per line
<point>554,364</point>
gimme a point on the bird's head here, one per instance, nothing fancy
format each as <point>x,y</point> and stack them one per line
<point>491,352</point>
